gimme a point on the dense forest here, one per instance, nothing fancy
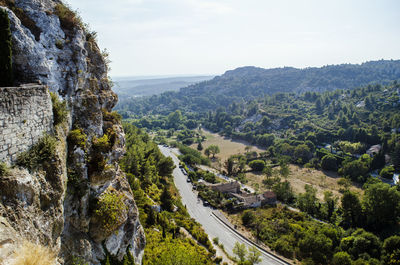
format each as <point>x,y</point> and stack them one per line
<point>248,83</point>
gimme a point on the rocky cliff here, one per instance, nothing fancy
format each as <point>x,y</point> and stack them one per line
<point>75,200</point>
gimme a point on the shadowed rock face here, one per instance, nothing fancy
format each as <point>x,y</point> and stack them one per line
<point>41,206</point>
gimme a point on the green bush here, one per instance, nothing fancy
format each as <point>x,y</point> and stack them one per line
<point>257,165</point>
<point>110,209</point>
<point>102,144</point>
<point>284,247</point>
<point>387,172</point>
<point>42,152</point>
<point>341,258</point>
<point>97,160</point>
<point>60,111</point>
<point>113,116</point>
<point>328,162</point>
<point>3,169</point>
<point>77,138</point>
<point>6,73</point>
<point>248,217</point>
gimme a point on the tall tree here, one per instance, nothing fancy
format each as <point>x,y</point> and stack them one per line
<point>254,255</point>
<point>352,210</point>
<point>212,150</point>
<point>382,205</point>
<point>166,199</point>
<point>240,251</point>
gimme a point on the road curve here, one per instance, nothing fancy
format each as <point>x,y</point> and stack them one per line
<point>204,215</point>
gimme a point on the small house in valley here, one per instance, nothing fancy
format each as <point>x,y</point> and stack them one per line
<point>253,201</point>
<point>229,187</point>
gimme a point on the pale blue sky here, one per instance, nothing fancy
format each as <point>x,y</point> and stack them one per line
<point>168,37</point>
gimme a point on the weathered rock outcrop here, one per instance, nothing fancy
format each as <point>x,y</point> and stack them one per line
<point>60,209</point>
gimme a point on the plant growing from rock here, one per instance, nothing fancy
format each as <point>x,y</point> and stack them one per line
<point>111,210</point>
<point>42,152</point>
<point>60,110</point>
<point>77,138</point>
<point>3,169</point>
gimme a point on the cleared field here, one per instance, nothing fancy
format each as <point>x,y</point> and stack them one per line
<point>227,146</point>
<point>299,177</point>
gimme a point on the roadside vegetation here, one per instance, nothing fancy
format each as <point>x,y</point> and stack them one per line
<point>165,219</point>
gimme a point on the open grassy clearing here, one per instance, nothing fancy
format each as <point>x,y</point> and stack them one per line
<point>227,146</point>
<point>299,177</point>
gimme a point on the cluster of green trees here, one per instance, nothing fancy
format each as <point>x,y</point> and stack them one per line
<point>248,256</point>
<point>190,155</point>
<point>294,235</point>
<point>149,175</point>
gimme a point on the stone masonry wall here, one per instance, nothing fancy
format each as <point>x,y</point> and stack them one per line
<point>25,115</point>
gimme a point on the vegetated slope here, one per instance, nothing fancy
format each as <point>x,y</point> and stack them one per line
<point>133,87</point>
<point>173,237</point>
<point>251,82</point>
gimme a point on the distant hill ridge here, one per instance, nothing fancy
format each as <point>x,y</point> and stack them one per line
<point>246,83</point>
<point>254,81</point>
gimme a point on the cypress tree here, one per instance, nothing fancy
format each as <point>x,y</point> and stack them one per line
<point>6,75</point>
<point>166,199</point>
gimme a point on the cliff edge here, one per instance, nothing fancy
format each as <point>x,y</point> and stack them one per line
<point>63,187</point>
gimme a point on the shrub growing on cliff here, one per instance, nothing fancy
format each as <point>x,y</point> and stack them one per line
<point>68,18</point>
<point>42,152</point>
<point>6,74</point>
<point>77,138</point>
<point>3,169</point>
<point>110,209</point>
<point>60,111</point>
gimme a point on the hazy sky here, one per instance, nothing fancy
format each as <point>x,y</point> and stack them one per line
<point>168,37</point>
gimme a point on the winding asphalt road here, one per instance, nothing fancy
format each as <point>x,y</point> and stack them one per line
<point>204,215</point>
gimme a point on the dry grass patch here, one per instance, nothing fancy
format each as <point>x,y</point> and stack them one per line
<point>32,254</point>
<point>227,146</point>
<point>299,177</point>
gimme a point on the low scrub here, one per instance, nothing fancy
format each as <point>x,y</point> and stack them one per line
<point>42,152</point>
<point>3,169</point>
<point>77,138</point>
<point>60,110</point>
<point>69,20</point>
<point>110,209</point>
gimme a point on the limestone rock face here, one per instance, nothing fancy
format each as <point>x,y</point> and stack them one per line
<point>57,208</point>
